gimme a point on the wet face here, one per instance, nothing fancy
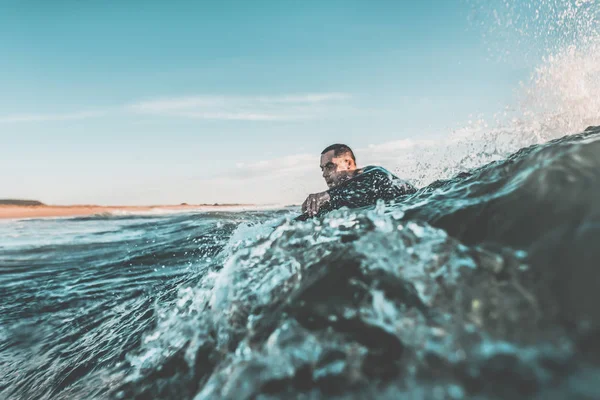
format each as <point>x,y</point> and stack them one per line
<point>336,169</point>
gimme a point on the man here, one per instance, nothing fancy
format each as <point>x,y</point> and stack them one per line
<point>350,186</point>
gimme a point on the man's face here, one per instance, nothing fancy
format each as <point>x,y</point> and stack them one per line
<point>336,169</point>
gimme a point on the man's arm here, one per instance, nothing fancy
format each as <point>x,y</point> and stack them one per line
<point>315,202</point>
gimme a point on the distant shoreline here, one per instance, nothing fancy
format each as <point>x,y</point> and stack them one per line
<point>13,211</point>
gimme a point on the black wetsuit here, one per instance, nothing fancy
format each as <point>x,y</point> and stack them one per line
<point>364,189</point>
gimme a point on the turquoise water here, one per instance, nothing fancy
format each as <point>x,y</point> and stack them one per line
<point>481,286</point>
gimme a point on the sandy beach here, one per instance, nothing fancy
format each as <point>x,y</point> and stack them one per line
<point>41,211</point>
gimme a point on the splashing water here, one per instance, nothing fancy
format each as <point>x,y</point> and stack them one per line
<point>562,93</point>
<point>561,39</point>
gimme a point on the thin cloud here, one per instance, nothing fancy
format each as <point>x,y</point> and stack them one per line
<point>395,155</point>
<point>49,117</point>
<point>226,108</point>
<point>299,164</point>
<point>243,108</point>
<point>398,145</point>
<point>232,116</point>
<point>306,98</point>
<point>292,165</point>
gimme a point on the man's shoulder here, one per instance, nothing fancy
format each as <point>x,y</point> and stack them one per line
<point>373,168</point>
<point>381,171</point>
<point>377,170</point>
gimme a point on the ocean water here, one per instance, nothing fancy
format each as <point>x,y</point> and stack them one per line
<point>484,284</point>
<point>481,286</point>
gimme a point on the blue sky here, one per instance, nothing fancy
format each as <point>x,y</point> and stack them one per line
<point>142,102</point>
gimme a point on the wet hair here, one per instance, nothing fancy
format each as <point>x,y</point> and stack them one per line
<point>339,149</point>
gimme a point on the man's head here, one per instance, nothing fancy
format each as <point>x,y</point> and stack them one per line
<point>338,164</point>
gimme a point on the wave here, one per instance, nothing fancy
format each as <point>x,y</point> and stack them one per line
<point>483,285</point>
<point>475,286</point>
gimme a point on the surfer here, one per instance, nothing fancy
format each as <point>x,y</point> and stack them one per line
<point>350,186</point>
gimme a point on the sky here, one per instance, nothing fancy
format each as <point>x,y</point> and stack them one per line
<point>154,102</point>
